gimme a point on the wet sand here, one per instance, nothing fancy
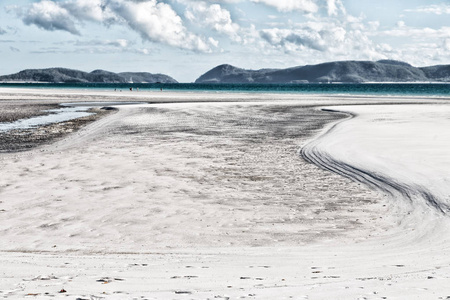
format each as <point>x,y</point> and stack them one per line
<point>201,200</point>
<point>26,139</point>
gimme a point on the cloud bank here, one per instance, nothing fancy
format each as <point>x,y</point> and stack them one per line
<point>308,6</point>
<point>443,9</point>
<point>292,31</point>
<point>154,21</point>
<point>50,16</point>
<point>157,21</point>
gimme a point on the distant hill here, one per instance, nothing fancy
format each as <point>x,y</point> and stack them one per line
<point>341,71</point>
<point>438,73</point>
<point>62,75</point>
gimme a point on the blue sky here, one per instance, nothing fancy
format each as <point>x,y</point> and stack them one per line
<point>185,38</point>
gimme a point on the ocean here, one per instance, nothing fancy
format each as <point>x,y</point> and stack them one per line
<point>419,89</point>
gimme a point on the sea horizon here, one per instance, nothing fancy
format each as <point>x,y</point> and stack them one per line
<point>368,88</point>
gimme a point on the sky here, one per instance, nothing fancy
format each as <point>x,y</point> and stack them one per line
<point>185,38</point>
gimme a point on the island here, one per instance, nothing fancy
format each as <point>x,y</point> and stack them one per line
<point>63,75</point>
<point>383,71</point>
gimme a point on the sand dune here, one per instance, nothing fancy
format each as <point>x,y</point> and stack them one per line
<point>212,200</point>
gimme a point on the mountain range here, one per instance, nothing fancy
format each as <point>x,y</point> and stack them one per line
<point>62,75</point>
<point>341,71</point>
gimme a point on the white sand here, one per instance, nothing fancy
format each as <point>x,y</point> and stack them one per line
<point>211,200</point>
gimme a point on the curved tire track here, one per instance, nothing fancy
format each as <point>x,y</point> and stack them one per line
<point>413,194</point>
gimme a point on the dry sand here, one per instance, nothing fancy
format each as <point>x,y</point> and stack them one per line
<point>202,195</point>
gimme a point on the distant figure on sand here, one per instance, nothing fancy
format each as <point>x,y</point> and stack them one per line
<point>131,89</point>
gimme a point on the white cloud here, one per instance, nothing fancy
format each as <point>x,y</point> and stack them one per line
<point>219,1</point>
<point>446,44</point>
<point>50,16</point>
<point>420,54</point>
<point>418,46</point>
<point>385,48</point>
<point>213,42</point>
<point>413,33</point>
<point>292,39</point>
<point>373,25</point>
<point>143,51</point>
<point>119,43</point>
<point>319,36</point>
<point>155,21</point>
<point>213,16</point>
<point>401,24</point>
<point>307,6</point>
<point>338,35</point>
<point>443,9</point>
<point>89,10</point>
<point>158,22</point>
<point>326,39</point>
<point>334,7</point>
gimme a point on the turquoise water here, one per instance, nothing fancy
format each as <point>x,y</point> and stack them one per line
<point>67,112</point>
<point>54,116</point>
<point>376,89</point>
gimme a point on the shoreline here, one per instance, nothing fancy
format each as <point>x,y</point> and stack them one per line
<point>198,95</point>
<point>18,140</point>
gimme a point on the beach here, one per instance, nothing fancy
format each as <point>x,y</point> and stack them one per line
<point>225,196</point>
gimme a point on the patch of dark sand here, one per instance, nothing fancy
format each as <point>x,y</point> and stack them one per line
<point>12,112</point>
<point>27,139</point>
<point>253,163</point>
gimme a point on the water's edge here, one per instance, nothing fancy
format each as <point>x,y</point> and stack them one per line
<point>439,89</point>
